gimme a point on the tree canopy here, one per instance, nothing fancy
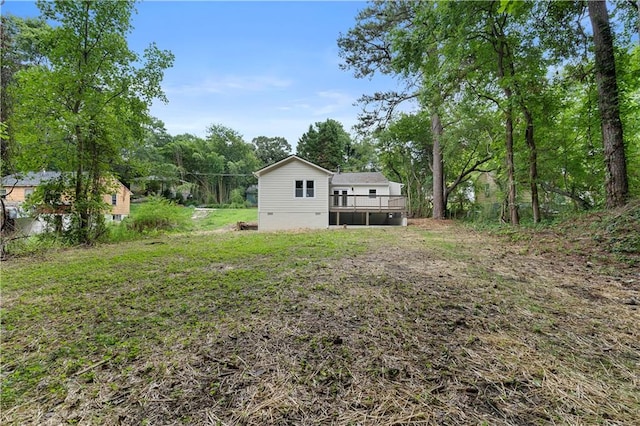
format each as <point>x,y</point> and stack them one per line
<point>325,144</point>
<point>270,150</point>
<point>505,95</point>
<point>86,101</point>
<point>540,98</point>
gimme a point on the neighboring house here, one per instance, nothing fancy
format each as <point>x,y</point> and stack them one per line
<point>295,193</point>
<point>487,192</point>
<point>16,189</point>
<point>486,189</point>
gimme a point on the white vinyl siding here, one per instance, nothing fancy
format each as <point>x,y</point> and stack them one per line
<point>395,188</point>
<point>364,189</point>
<point>369,195</point>
<point>279,203</point>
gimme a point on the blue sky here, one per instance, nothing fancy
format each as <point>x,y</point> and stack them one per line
<point>261,68</point>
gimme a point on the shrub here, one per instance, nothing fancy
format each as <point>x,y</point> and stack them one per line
<point>237,196</point>
<point>157,214</point>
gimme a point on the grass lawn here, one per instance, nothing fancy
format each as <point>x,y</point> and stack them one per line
<point>201,219</point>
<point>417,325</point>
<point>208,219</point>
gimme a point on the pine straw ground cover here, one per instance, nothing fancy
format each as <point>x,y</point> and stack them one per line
<point>422,325</point>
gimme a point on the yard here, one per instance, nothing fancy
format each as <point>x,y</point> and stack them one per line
<point>429,324</point>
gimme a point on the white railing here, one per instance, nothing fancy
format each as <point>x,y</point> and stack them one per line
<point>367,202</point>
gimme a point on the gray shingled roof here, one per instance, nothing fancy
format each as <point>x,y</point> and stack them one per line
<point>29,179</point>
<point>363,178</point>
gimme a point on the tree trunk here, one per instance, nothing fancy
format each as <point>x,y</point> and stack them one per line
<point>511,170</point>
<point>80,200</point>
<point>439,206</point>
<point>616,183</point>
<point>533,165</point>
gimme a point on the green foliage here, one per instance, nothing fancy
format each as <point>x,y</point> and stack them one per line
<point>325,144</point>
<point>238,157</point>
<point>208,169</point>
<point>22,44</point>
<point>157,214</point>
<point>405,155</point>
<point>271,150</point>
<point>146,163</point>
<point>620,232</point>
<point>87,102</point>
<point>34,245</point>
<point>361,156</point>
<point>237,197</point>
<point>629,85</point>
<point>484,69</point>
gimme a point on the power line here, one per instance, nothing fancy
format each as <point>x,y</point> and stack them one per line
<point>219,174</point>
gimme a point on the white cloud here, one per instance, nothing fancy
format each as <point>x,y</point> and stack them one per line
<point>322,103</point>
<point>338,101</point>
<point>229,84</point>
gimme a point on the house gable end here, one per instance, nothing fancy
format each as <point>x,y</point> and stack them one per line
<point>286,161</point>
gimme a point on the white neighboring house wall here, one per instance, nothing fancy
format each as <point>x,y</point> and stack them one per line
<point>280,204</point>
<point>26,224</point>
<point>395,188</point>
<point>362,191</point>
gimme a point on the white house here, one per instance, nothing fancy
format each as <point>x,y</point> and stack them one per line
<point>295,193</point>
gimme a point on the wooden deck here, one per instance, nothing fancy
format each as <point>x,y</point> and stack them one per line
<point>367,203</point>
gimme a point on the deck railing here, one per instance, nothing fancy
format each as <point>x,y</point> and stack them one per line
<point>367,202</point>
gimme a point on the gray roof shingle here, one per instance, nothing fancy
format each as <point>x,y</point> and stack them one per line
<point>29,179</point>
<point>363,178</point>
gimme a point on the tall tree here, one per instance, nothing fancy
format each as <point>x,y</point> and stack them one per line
<point>383,41</point>
<point>567,18</point>
<point>361,156</point>
<point>238,157</point>
<point>325,144</point>
<point>21,46</point>
<point>87,101</point>
<point>616,183</point>
<point>270,150</point>
<point>405,155</point>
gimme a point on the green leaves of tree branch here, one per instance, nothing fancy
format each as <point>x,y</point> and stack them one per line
<point>89,100</point>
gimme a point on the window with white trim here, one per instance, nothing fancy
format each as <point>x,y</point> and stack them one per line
<point>114,199</point>
<point>305,189</point>
<point>372,193</point>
